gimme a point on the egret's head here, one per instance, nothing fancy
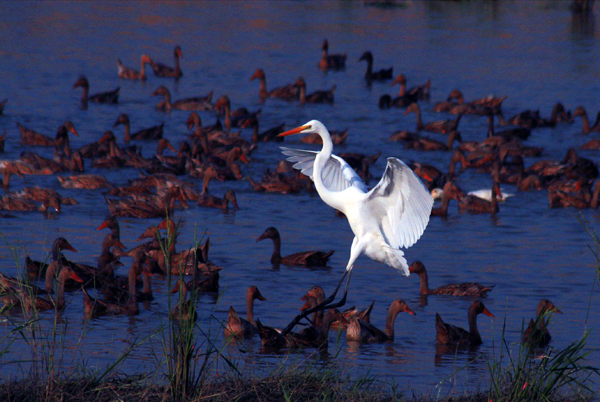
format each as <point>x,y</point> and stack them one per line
<point>313,126</point>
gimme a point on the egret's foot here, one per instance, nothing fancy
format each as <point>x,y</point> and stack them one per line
<point>325,305</point>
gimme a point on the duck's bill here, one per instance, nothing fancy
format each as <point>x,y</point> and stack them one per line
<point>487,312</point>
<point>409,311</point>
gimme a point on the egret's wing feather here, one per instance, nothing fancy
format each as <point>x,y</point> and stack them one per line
<point>337,174</point>
<point>401,203</point>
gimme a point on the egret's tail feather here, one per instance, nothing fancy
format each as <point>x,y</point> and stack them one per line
<point>395,258</point>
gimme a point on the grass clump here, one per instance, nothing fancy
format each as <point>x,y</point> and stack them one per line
<point>299,383</point>
<point>542,375</point>
<point>292,384</point>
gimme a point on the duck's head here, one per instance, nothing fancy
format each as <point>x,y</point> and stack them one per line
<point>81,82</point>
<point>258,74</point>
<point>161,90</point>
<point>177,52</point>
<point>479,308</point>
<point>366,56</point>
<point>269,233</point>
<point>122,119</point>
<point>400,79</point>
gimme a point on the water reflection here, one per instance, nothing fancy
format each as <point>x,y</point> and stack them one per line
<point>449,354</point>
<point>583,24</point>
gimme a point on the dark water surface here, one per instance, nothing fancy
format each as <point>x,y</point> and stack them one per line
<point>536,53</point>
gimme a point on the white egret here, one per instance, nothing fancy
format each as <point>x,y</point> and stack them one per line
<point>393,214</point>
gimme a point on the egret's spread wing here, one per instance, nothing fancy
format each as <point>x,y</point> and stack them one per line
<point>337,174</point>
<point>401,204</point>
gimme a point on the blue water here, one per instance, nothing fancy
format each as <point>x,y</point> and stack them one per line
<point>535,53</point>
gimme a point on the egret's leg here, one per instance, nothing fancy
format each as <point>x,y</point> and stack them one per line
<point>327,304</point>
<point>355,251</point>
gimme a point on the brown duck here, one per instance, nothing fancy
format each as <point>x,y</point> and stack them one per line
<point>96,307</point>
<point>151,133</point>
<point>164,71</point>
<point>370,75</point>
<point>33,138</point>
<point>303,258</point>
<point>322,96</point>
<point>84,181</point>
<point>238,327</point>
<point>210,201</point>
<point>287,92</point>
<point>40,303</point>
<point>193,103</point>
<point>103,97</point>
<point>448,334</point>
<point>537,333</point>
<point>129,73</point>
<point>444,127</point>
<point>360,331</point>
<point>416,141</point>
<point>331,61</point>
<point>184,310</point>
<point>470,289</point>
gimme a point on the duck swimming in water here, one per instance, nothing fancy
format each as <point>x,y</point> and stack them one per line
<point>322,96</point>
<point>448,334</point>
<point>537,334</point>
<point>470,289</point>
<point>151,133</point>
<point>360,331</point>
<point>370,75</point>
<point>33,138</point>
<point>194,103</point>
<point>129,73</point>
<point>445,126</point>
<point>331,61</point>
<point>103,97</point>
<point>164,71</point>
<point>287,92</point>
<point>238,327</point>
<point>303,258</point>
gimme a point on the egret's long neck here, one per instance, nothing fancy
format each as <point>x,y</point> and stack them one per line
<point>320,162</point>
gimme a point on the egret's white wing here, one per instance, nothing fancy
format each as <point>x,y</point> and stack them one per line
<point>337,174</point>
<point>401,203</point>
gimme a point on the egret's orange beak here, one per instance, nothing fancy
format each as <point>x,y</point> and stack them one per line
<point>296,130</point>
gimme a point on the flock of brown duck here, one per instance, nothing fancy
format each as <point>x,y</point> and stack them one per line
<point>215,152</point>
